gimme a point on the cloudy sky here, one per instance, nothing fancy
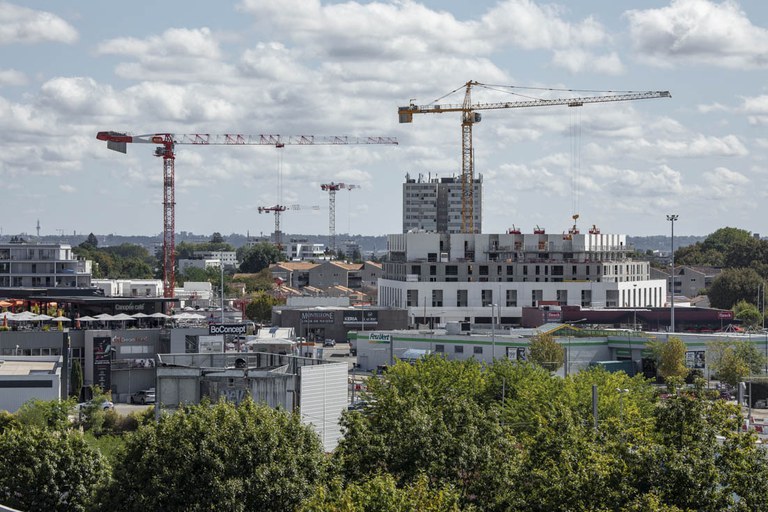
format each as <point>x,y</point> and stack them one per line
<point>295,67</point>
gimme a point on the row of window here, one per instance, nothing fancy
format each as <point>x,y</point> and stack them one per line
<point>459,349</point>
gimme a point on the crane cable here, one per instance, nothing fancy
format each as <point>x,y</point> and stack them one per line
<point>575,164</point>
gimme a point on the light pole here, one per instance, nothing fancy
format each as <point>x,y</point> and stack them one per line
<point>223,335</point>
<point>493,332</point>
<point>634,305</point>
<point>672,218</point>
<point>621,402</point>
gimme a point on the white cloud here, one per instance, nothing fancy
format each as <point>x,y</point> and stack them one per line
<point>23,25</point>
<point>69,189</point>
<point>12,77</point>
<point>699,32</point>
<point>723,183</point>
<point>409,32</point>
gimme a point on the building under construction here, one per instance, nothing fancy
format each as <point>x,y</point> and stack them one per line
<point>434,204</point>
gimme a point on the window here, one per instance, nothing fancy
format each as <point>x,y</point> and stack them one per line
<point>511,298</point>
<point>437,298</point>
<point>478,350</point>
<point>483,270</point>
<point>440,348</point>
<point>461,298</point>
<point>433,270</point>
<point>451,270</point>
<point>486,297</point>
<point>562,297</point>
<point>416,269</point>
<point>412,298</point>
<point>458,349</point>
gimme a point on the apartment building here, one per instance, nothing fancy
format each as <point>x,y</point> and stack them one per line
<point>474,277</point>
<point>30,265</point>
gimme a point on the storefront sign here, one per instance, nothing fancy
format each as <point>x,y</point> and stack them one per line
<point>317,317</point>
<point>377,338</point>
<point>240,329</point>
<point>695,359</point>
<point>356,316</point>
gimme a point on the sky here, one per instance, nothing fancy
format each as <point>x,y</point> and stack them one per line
<point>309,67</point>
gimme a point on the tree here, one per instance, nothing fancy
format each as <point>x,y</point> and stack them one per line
<point>259,282</point>
<point>670,357</point>
<point>43,469</point>
<point>381,493</point>
<point>748,313</point>
<point>259,257</point>
<point>76,379</point>
<point>46,414</point>
<point>218,457</point>
<point>733,285</point>
<point>91,242</point>
<point>733,361</point>
<point>216,238</point>
<point>546,352</point>
<point>260,307</point>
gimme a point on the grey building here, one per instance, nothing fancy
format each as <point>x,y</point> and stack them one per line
<point>320,323</point>
<point>690,281</point>
<point>433,204</point>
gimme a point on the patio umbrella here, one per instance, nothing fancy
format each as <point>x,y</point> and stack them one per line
<point>139,315</point>
<point>87,319</point>
<point>188,316</point>
<point>159,315</point>
<point>123,317</point>
<point>61,319</point>
<point>104,317</point>
<point>42,317</point>
<point>24,316</point>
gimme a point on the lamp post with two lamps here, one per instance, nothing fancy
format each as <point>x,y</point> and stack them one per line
<point>672,218</point>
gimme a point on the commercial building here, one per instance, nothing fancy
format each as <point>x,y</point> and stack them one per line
<point>316,388</point>
<point>24,378</point>
<point>322,322</point>
<point>433,204</point>
<point>478,277</point>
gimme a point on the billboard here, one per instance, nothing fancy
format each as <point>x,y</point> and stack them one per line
<point>102,362</point>
<point>377,338</point>
<point>240,329</point>
<point>317,317</point>
<point>696,359</point>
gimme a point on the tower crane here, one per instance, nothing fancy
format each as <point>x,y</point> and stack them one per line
<point>470,116</point>
<point>278,210</point>
<point>332,188</point>
<point>166,148</point>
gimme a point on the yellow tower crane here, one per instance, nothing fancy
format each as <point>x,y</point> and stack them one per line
<point>470,116</point>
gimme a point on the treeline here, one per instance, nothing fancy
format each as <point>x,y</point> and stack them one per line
<point>437,435</point>
<point>744,263</point>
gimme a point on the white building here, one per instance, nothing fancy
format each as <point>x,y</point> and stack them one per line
<point>28,265</point>
<point>300,250</point>
<point>129,287</point>
<point>228,258</point>
<point>203,264</point>
<point>23,378</point>
<point>434,204</point>
<point>195,293</point>
<point>462,277</point>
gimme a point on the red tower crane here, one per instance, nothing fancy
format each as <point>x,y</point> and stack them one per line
<point>470,116</point>
<point>332,188</point>
<point>167,142</point>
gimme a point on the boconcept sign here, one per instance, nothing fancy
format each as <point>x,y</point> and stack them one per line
<point>227,329</point>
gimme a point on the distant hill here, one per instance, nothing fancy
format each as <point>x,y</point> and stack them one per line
<point>661,242</point>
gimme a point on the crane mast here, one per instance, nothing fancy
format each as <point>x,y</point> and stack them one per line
<point>166,144</point>
<point>469,117</point>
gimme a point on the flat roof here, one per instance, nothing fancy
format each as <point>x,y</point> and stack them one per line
<point>26,366</point>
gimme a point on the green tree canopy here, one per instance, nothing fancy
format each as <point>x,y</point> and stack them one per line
<point>259,309</point>
<point>733,361</point>
<point>45,469</point>
<point>260,256</point>
<point>670,357</point>
<point>733,285</point>
<point>546,352</point>
<point>220,457</point>
<point>748,313</point>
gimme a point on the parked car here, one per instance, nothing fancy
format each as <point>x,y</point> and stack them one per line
<point>145,396</point>
<point>106,404</point>
<point>329,342</point>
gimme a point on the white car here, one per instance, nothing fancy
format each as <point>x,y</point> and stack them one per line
<point>105,405</point>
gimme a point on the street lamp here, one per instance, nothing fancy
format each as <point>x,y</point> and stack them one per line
<point>634,305</point>
<point>672,218</point>
<point>493,332</point>
<point>621,403</point>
